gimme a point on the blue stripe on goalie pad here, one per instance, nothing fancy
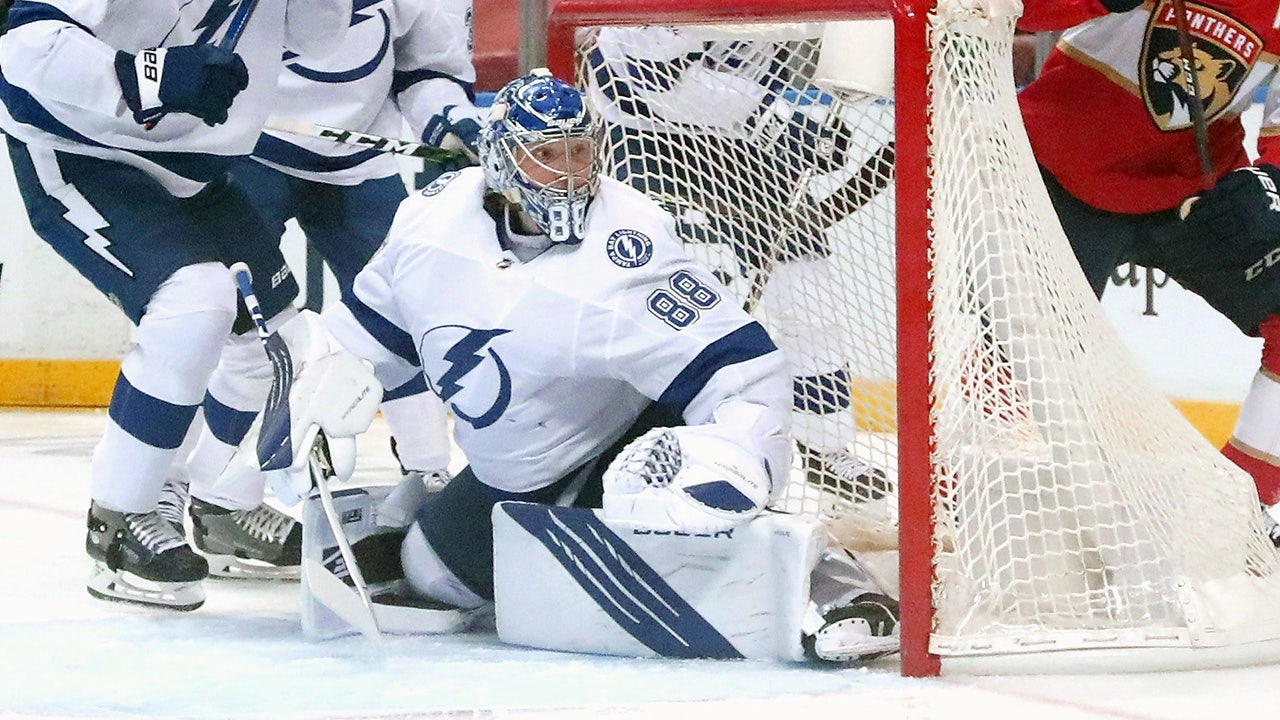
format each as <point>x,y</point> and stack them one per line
<point>624,586</point>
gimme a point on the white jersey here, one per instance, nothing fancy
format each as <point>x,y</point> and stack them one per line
<point>703,80</point>
<point>546,363</point>
<point>403,62</point>
<point>60,89</point>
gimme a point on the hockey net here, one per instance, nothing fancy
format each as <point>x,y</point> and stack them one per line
<point>897,242</point>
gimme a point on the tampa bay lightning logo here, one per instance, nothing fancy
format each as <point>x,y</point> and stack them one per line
<point>360,35</point>
<point>471,377</point>
<point>629,248</point>
<point>435,186</point>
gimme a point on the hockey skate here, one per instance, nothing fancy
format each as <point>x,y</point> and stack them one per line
<point>864,629</point>
<point>141,558</point>
<point>844,475</point>
<point>259,544</point>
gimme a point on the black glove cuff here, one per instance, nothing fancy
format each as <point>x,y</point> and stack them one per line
<point>1120,6</point>
<point>127,73</point>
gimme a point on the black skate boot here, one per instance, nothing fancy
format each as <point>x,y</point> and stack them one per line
<point>141,558</point>
<point>844,475</point>
<point>864,629</point>
<point>260,544</point>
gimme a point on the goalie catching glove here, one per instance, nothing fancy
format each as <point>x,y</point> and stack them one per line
<point>1241,210</point>
<point>698,479</point>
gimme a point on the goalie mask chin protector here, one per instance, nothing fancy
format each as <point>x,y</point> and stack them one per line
<point>533,118</point>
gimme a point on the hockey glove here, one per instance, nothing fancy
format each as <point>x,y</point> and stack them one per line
<point>812,136</point>
<point>200,80</point>
<point>697,479</point>
<point>1242,209</point>
<point>462,133</point>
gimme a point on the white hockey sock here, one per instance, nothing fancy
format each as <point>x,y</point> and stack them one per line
<point>421,430</point>
<point>162,380</point>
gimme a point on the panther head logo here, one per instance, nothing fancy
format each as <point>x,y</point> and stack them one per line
<point>1211,73</point>
<point>1223,50</point>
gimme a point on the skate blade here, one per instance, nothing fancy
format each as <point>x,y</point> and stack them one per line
<point>122,586</point>
<point>860,651</point>
<point>236,568</point>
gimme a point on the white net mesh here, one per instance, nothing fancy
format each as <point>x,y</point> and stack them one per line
<point>1074,507</point>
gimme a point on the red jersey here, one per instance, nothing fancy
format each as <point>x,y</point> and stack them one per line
<point>1109,114</point>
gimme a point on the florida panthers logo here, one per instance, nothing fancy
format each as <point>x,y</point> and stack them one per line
<point>1224,50</point>
<point>470,375</point>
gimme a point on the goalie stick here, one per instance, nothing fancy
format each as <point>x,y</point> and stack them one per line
<point>372,142</point>
<point>274,440</point>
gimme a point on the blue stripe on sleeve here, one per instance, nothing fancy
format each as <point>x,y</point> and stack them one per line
<point>283,152</point>
<point>383,330</point>
<point>402,80</point>
<point>746,343</point>
<point>26,11</point>
<point>151,420</point>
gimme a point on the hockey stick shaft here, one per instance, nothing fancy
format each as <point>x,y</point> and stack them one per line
<point>1195,104</point>
<point>365,140</point>
<point>238,23</point>
<point>319,463</point>
<point>321,466</point>
<point>229,41</point>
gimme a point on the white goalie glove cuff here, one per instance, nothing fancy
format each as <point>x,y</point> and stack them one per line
<point>698,479</point>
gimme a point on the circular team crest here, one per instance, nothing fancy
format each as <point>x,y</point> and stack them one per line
<point>435,186</point>
<point>629,248</point>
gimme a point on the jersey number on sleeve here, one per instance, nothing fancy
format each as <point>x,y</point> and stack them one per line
<point>680,305</point>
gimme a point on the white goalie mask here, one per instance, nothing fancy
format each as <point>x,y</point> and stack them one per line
<point>540,150</point>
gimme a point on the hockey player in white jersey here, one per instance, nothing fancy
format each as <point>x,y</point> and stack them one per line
<point>405,63</point>
<point>555,312</point>
<point>726,105</point>
<point>122,120</point>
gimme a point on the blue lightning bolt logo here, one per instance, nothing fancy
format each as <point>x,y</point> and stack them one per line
<point>80,213</point>
<point>463,357</point>
<point>214,18</point>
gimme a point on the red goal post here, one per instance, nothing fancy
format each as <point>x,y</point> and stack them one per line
<point>1053,510</point>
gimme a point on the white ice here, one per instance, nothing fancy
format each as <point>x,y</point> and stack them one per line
<point>242,655</point>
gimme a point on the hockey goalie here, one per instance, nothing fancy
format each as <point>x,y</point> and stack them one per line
<point>626,426</point>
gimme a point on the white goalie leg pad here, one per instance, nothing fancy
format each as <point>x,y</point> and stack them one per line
<point>331,606</point>
<point>569,579</point>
